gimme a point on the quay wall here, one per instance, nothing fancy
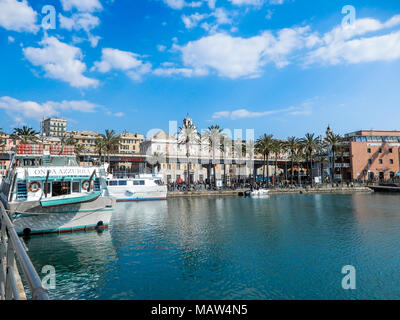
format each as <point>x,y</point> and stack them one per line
<point>241,193</point>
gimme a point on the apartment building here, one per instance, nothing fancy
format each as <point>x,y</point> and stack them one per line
<point>130,143</point>
<point>54,127</point>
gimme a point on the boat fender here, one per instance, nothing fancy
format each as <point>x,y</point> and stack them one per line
<point>34,187</point>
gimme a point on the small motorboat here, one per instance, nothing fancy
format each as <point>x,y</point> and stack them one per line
<point>260,192</point>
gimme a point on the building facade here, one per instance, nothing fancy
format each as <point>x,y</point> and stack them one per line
<point>171,157</point>
<point>130,143</point>
<point>374,154</point>
<point>54,127</point>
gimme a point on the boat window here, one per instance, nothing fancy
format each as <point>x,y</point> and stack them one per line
<point>61,188</point>
<point>141,182</point>
<point>122,182</point>
<point>113,183</point>
<point>138,182</point>
<point>157,182</point>
<point>75,186</point>
<point>47,187</point>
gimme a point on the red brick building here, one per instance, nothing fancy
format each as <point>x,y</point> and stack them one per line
<point>374,154</point>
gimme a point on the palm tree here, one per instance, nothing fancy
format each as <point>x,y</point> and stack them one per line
<point>333,141</point>
<point>25,135</point>
<point>322,161</point>
<point>111,142</point>
<point>188,136</point>
<point>79,149</point>
<point>277,149</point>
<point>100,147</point>
<point>311,144</point>
<point>155,161</point>
<point>264,146</point>
<point>214,135</point>
<point>299,157</point>
<point>249,151</point>
<point>292,144</point>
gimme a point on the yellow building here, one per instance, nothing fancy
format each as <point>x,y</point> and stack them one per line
<point>130,142</point>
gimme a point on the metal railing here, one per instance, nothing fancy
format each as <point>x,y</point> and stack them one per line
<point>12,250</point>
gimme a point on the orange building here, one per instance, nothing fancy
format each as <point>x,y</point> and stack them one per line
<point>374,154</point>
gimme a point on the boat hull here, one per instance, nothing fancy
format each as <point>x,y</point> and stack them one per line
<point>124,195</point>
<point>34,219</point>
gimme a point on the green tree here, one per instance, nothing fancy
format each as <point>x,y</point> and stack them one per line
<point>264,145</point>
<point>188,136</point>
<point>292,144</point>
<point>311,145</point>
<point>111,143</point>
<point>333,141</point>
<point>25,135</point>
<point>214,134</point>
<point>277,149</point>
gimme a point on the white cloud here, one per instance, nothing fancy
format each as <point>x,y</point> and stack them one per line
<point>193,20</point>
<point>235,57</point>
<point>186,72</point>
<point>161,48</point>
<point>82,5</point>
<point>10,39</point>
<point>345,44</point>
<point>129,62</point>
<point>18,16</point>
<point>180,4</point>
<point>18,110</point>
<point>305,109</point>
<point>247,2</point>
<point>79,21</point>
<point>60,61</point>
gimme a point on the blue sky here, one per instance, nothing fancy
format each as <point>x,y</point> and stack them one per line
<point>284,67</point>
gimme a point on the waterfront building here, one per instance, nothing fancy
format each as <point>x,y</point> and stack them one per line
<point>167,155</point>
<point>374,155</point>
<point>86,138</point>
<point>54,127</point>
<point>130,142</point>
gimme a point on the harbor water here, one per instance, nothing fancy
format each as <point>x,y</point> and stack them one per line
<point>281,247</point>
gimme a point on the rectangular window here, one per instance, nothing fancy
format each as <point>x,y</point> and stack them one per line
<point>369,150</point>
<point>380,161</point>
<point>380,150</point>
<point>391,161</point>
<point>75,187</point>
<point>113,183</point>
<point>369,161</point>
<point>390,150</point>
<point>122,183</point>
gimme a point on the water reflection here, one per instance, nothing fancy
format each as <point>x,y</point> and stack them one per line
<point>279,247</point>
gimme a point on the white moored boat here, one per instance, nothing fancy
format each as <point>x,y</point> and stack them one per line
<point>47,192</point>
<point>140,188</point>
<point>260,192</point>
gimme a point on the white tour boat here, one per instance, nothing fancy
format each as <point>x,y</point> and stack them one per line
<point>141,187</point>
<point>260,192</point>
<point>47,192</point>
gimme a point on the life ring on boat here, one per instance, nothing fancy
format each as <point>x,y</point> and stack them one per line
<point>34,187</point>
<point>85,184</point>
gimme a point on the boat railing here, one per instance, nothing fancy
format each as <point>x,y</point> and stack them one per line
<point>13,250</point>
